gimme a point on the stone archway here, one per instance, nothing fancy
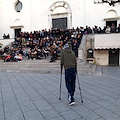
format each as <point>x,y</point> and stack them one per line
<point>17,26</point>
<point>111,17</point>
<point>58,10</point>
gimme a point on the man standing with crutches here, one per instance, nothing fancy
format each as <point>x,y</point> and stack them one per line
<point>68,60</point>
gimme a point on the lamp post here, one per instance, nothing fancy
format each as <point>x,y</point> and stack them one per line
<point>110,2</point>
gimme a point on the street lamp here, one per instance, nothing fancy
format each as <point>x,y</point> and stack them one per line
<point>110,2</point>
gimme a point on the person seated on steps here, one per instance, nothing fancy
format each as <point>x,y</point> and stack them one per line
<point>54,56</point>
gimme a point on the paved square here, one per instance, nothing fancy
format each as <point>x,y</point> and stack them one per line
<point>34,96</point>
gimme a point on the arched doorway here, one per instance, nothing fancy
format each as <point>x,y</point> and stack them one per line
<point>17,27</point>
<point>60,15</point>
<point>111,18</point>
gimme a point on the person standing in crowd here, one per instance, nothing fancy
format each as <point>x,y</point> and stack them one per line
<point>4,36</point>
<point>75,47</point>
<point>108,29</point>
<point>68,60</point>
<point>113,28</point>
<point>118,29</point>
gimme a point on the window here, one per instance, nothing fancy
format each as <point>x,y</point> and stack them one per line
<point>18,6</point>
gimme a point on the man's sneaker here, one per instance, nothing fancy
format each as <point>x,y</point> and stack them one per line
<point>72,102</point>
<point>69,97</point>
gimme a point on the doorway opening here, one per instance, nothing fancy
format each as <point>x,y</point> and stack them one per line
<point>60,15</point>
<point>114,57</point>
<point>17,32</point>
<point>59,23</point>
<point>111,22</point>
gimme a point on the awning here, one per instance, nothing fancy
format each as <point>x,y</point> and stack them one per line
<point>107,41</point>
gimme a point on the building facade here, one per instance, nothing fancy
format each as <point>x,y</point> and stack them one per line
<point>103,49</point>
<point>30,15</point>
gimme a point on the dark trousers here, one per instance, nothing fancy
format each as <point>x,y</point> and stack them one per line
<point>70,78</point>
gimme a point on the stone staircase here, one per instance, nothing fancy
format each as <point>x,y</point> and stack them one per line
<point>44,66</point>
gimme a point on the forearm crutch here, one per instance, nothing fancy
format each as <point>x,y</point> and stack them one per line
<point>60,86</point>
<point>79,88</point>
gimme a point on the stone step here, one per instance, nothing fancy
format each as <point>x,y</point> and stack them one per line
<point>39,66</point>
<point>44,66</point>
<point>40,63</point>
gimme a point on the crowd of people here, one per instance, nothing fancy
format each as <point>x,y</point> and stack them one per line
<point>6,36</point>
<point>39,44</point>
<point>105,29</point>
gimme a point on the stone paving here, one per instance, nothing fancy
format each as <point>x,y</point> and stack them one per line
<point>34,96</point>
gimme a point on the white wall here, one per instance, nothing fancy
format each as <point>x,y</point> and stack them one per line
<point>101,57</point>
<point>34,15</point>
<point>1,19</point>
<point>10,15</point>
